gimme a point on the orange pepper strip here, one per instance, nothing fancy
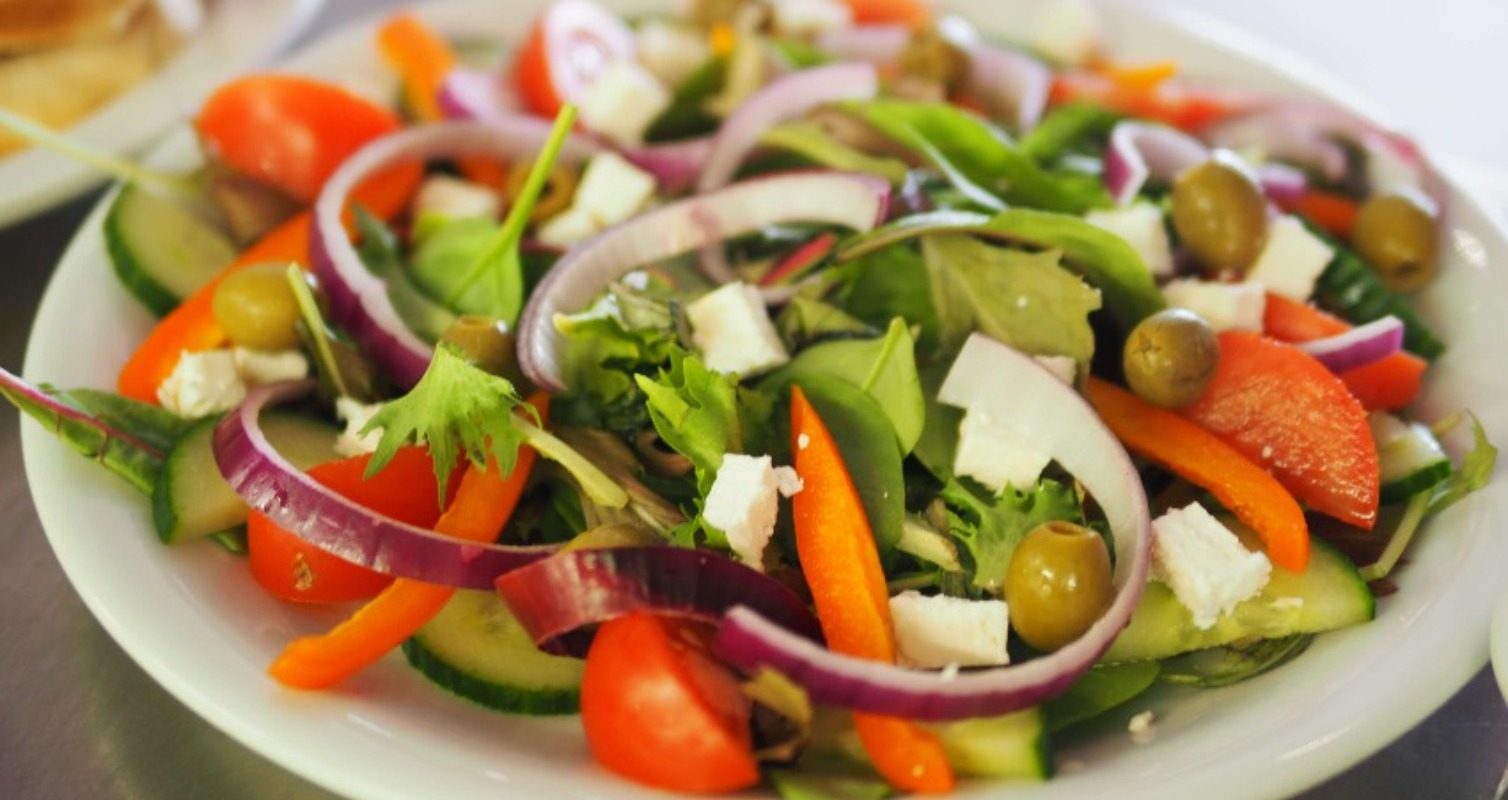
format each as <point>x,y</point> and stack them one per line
<point>1334,213</point>
<point>482,505</point>
<point>1199,457</point>
<point>1138,77</point>
<point>842,566</point>
<point>192,327</point>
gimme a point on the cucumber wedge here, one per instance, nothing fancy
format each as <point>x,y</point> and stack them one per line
<point>161,249</point>
<point>1329,594</point>
<point>474,648</point>
<point>1011,746</point>
<point>1411,459</point>
<point>190,500</point>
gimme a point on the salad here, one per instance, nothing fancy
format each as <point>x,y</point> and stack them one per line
<point>849,406</point>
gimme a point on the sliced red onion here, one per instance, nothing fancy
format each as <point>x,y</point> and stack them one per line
<point>674,164</point>
<point>358,299</point>
<point>272,486</point>
<point>1011,386</point>
<point>556,598</point>
<point>1359,346</point>
<point>1013,86</point>
<point>781,100</point>
<point>1283,184</point>
<point>872,44</point>
<point>1140,151</point>
<point>852,200</point>
<point>476,95</point>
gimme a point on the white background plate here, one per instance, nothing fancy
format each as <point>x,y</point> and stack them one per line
<point>236,35</point>
<point>196,622</point>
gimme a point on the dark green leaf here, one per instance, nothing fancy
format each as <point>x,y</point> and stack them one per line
<point>1233,663</point>
<point>1102,688</point>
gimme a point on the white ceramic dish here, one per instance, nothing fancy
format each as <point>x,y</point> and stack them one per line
<point>195,621</point>
<point>236,35</point>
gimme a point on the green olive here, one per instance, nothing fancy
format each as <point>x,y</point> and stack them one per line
<point>1058,583</point>
<point>1170,357</point>
<point>486,343</point>
<point>929,56</point>
<point>1395,233</point>
<point>1220,214</point>
<point>556,196</point>
<point>256,308</point>
<point>603,537</point>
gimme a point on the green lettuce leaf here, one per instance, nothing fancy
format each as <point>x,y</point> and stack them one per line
<point>990,528</point>
<point>1023,299</point>
<point>806,320</point>
<point>887,283</point>
<point>628,333</point>
<point>695,411</point>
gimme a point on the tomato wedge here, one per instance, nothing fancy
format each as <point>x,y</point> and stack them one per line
<point>1281,408</point>
<point>659,709</point>
<point>914,13</point>
<point>289,568</point>
<point>569,46</point>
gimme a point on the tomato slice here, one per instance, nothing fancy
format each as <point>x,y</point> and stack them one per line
<point>569,46</point>
<point>289,568</point>
<point>287,131</point>
<point>890,12</point>
<point>659,709</point>
<point>1284,410</point>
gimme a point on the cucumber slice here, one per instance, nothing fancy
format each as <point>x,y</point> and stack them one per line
<point>161,249</point>
<point>1009,746</point>
<point>1329,594</point>
<point>190,499</point>
<point>1411,459</point>
<point>476,649</point>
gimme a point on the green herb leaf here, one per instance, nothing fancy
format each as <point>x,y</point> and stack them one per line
<point>1099,690</point>
<point>811,142</point>
<point>989,529</point>
<point>382,255</point>
<point>806,320</point>
<point>695,411</point>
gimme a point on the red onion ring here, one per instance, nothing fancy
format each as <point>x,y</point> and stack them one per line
<point>358,299</point>
<point>674,164</point>
<point>1013,86</point>
<point>1140,151</point>
<point>778,101</point>
<point>1011,386</point>
<point>475,95</point>
<point>272,486</point>
<point>1358,346</point>
<point>873,44</point>
<point>856,201</point>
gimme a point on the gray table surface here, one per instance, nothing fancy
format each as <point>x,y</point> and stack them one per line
<point>78,719</point>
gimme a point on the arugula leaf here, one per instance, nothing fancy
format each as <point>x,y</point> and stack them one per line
<point>695,411</point>
<point>811,142</point>
<point>990,529</point>
<point>963,145</point>
<point>806,320</point>
<point>456,409</point>
<point>1023,299</point>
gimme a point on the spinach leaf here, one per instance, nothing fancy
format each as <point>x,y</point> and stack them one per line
<point>379,250</point>
<point>809,141</point>
<point>868,445</point>
<point>888,283</point>
<point>1102,688</point>
<point>805,321</point>
<point>687,115</point>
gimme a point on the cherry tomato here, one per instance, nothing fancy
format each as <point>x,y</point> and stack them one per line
<point>289,568</point>
<point>288,132</point>
<point>570,45</point>
<point>659,709</point>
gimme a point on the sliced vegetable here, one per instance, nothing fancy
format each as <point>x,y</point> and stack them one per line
<point>569,46</point>
<point>422,60</point>
<point>1333,213</point>
<point>1392,382</point>
<point>1412,460</point>
<point>1358,347</point>
<point>162,249</point>
<point>1202,459</point>
<point>1351,290</point>
<point>1281,408</point>
<point>889,12</point>
<point>1139,151</point>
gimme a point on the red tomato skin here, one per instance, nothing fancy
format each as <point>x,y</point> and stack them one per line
<point>1284,410</point>
<point>658,709</point>
<point>569,45</point>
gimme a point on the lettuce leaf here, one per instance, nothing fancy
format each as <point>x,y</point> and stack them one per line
<point>990,528</point>
<point>695,411</point>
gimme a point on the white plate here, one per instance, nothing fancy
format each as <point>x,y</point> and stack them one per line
<point>236,35</point>
<point>194,620</point>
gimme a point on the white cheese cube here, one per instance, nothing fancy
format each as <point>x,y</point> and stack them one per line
<point>1141,225</point>
<point>1068,32</point>
<point>731,328</point>
<point>1204,563</point>
<point>257,367</point>
<point>202,383</point>
<point>995,454</point>
<point>1225,306</point>
<point>801,18</point>
<point>623,101</point>
<point>611,190</point>
<point>567,228</point>
<point>356,415</point>
<point>933,632</point>
<point>1291,261</point>
<point>1063,368</point>
<point>454,198</point>
<point>671,52</point>
<point>743,503</point>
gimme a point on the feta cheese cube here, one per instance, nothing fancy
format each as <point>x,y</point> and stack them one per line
<point>731,328</point>
<point>623,101</point>
<point>743,503</point>
<point>1225,306</point>
<point>1067,32</point>
<point>671,52</point>
<point>1291,261</point>
<point>801,18</point>
<point>356,415</point>
<point>257,367</point>
<point>1063,368</point>
<point>1141,225</point>
<point>454,198</point>
<point>202,383</point>
<point>995,454</point>
<point>1205,565</point>
<point>935,632</point>
<point>611,190</point>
